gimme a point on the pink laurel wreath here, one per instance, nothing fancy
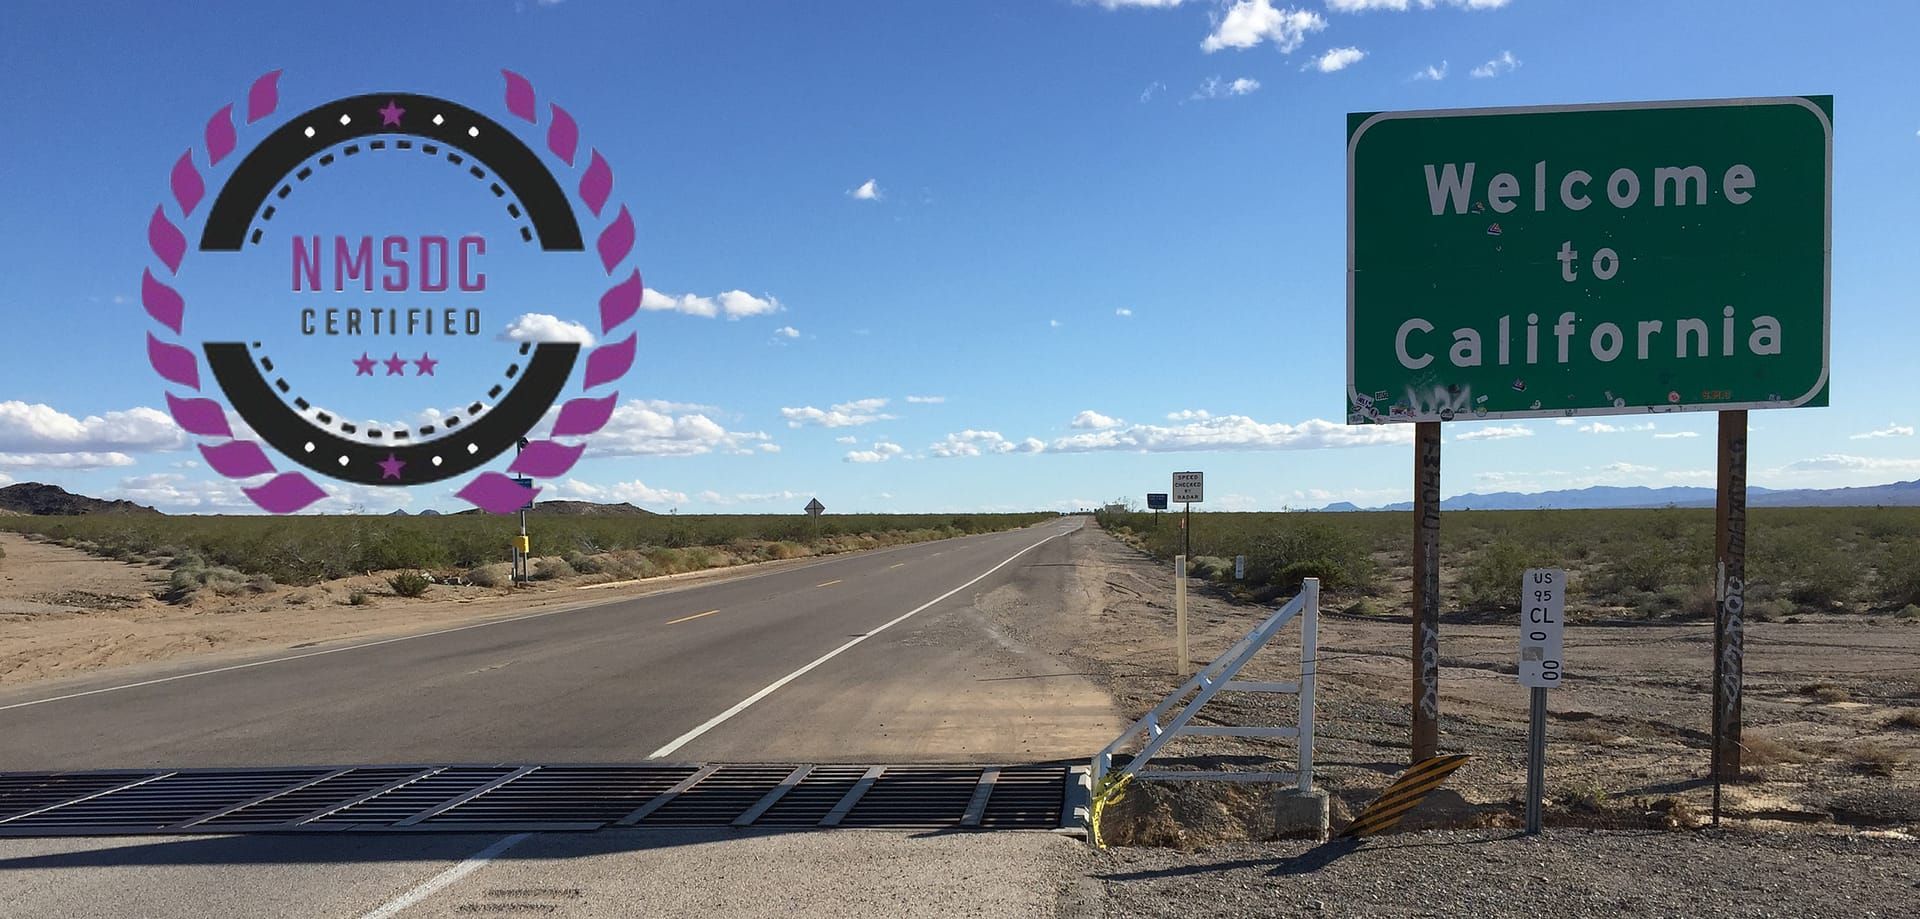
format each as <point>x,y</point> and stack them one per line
<point>287,492</point>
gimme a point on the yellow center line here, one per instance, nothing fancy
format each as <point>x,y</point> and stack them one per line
<point>829,583</point>
<point>899,565</point>
<point>692,617</point>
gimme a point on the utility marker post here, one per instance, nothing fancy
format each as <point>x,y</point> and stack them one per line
<point>1426,590</point>
<point>1730,551</point>
<point>1543,613</point>
<point>1180,655</point>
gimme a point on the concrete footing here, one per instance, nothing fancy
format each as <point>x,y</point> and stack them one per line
<point>1300,813</point>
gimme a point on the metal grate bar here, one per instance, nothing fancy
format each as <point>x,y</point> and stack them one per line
<point>462,799</point>
<point>798,775</point>
<point>676,791</point>
<point>977,808</point>
<point>335,808</point>
<point>98,794</point>
<point>853,796</point>
<point>259,799</point>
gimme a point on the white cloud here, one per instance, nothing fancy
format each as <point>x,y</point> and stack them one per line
<point>641,427</point>
<point>1338,59</point>
<point>1601,427</point>
<point>1505,63</point>
<point>1675,435</point>
<point>881,452</point>
<point>1189,414</point>
<point>1249,22</point>
<point>868,191</point>
<point>714,497</point>
<point>925,400</point>
<point>1844,462</point>
<point>1495,432</point>
<point>1053,323</point>
<point>848,440</point>
<point>843,415</point>
<point>1233,433</point>
<point>787,332</point>
<point>171,491</point>
<point>1154,88</point>
<point>634,492</point>
<point>1216,88</point>
<point>1123,311</point>
<point>977,443</point>
<point>1628,469</point>
<point>545,327</point>
<point>1134,4</point>
<point>734,304</point>
<point>1091,420</point>
<point>40,428</point>
<point>1432,72</point>
<point>65,460</point>
<point>1892,430</point>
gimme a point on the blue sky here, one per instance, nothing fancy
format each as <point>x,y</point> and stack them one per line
<point>1098,241</point>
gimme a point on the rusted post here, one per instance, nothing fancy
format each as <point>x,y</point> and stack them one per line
<point>1426,590</point>
<point>1730,549</point>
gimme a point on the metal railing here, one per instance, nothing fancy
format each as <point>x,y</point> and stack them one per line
<point>1218,677</point>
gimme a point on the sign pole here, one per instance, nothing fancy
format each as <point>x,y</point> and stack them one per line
<point>1730,550</point>
<point>1180,655</point>
<point>1186,531</point>
<point>1426,590</point>
<point>1536,756</point>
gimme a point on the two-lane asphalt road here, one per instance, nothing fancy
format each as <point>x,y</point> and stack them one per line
<point>876,656</point>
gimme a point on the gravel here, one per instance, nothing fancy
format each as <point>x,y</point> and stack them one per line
<point>1566,873</point>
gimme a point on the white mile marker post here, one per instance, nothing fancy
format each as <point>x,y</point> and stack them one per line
<point>1543,606</point>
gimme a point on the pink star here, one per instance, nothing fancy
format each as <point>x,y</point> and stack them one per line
<point>391,466</point>
<point>363,365</point>
<point>395,366</point>
<point>391,114</point>
<point>424,366</point>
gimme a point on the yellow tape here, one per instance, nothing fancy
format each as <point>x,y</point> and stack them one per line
<point>1404,794</point>
<point>1111,791</point>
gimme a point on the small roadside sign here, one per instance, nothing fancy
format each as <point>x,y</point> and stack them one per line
<point>1156,500</point>
<point>1189,487</point>
<point>1543,606</point>
<point>1239,567</point>
<point>525,483</point>
<point>815,508</point>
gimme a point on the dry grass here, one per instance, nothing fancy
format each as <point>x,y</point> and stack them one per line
<point>1761,750</point>
<point>1876,760</point>
<point>1908,719</point>
<point>1826,693</point>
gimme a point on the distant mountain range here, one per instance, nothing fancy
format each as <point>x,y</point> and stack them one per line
<point>54,501</point>
<point>1897,494</point>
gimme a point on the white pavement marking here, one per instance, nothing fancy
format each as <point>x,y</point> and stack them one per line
<point>742,705</point>
<point>461,628</point>
<point>439,881</point>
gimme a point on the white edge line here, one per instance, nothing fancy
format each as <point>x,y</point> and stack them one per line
<point>742,705</point>
<point>459,628</point>
<point>439,881</point>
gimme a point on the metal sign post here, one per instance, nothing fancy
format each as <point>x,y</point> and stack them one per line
<point>1543,605</point>
<point>814,508</point>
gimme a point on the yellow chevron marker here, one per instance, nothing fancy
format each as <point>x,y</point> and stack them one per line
<point>1404,794</point>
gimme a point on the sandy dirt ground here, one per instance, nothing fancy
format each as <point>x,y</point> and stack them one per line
<point>1831,702</point>
<point>64,613</point>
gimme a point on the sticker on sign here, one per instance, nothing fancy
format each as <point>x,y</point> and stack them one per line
<point>1543,606</point>
<point>1189,487</point>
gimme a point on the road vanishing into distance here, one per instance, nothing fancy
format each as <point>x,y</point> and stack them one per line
<point>900,655</point>
<point>865,657</point>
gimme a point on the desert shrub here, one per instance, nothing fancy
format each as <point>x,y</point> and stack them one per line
<point>409,583</point>
<point>584,563</point>
<point>1492,577</point>
<point>1302,548</point>
<point>359,597</point>
<point>548,569</point>
<point>1211,568</point>
<point>185,582</point>
<point>492,575</point>
<point>260,583</point>
<point>1899,582</point>
<point>1642,569</point>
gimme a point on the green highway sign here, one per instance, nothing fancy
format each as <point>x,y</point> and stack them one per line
<point>1588,259</point>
